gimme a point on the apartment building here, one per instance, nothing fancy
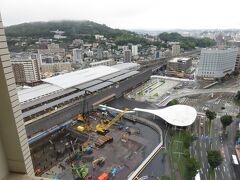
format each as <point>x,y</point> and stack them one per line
<point>26,70</point>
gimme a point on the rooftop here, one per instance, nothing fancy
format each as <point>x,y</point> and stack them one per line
<point>179,59</point>
<point>72,79</point>
<point>122,66</point>
<point>91,79</point>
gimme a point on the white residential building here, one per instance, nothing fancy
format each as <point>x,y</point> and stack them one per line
<point>176,49</point>
<point>134,50</point>
<point>77,56</point>
<point>216,63</point>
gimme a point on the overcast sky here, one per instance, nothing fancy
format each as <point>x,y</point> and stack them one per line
<point>128,14</point>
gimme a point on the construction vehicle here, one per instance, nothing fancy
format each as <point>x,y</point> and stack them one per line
<point>103,127</point>
<point>102,140</point>
<point>124,136</point>
<point>81,171</point>
<point>104,176</point>
<point>80,128</point>
<point>99,161</point>
<point>80,117</point>
<point>87,127</point>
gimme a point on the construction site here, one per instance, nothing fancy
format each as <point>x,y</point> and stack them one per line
<point>97,145</point>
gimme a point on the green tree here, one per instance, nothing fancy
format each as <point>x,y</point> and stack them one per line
<point>192,167</point>
<point>188,139</point>
<point>237,97</point>
<point>211,115</point>
<point>173,102</point>
<point>214,158</point>
<point>226,120</point>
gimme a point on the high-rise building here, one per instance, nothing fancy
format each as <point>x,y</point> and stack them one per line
<point>26,70</point>
<point>175,49</point>
<point>134,50</point>
<point>127,56</point>
<point>77,56</point>
<point>14,150</point>
<point>216,63</point>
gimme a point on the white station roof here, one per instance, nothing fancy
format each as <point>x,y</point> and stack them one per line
<point>79,77</point>
<point>177,115</point>
<point>37,91</point>
<point>126,66</point>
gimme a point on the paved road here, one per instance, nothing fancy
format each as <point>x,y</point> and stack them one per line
<point>189,92</point>
<point>200,147</point>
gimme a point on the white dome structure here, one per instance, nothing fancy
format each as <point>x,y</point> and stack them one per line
<point>177,115</point>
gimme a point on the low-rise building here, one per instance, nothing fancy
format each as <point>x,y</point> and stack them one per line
<point>56,67</point>
<point>179,64</point>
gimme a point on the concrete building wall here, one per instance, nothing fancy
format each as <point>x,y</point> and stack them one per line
<point>3,162</point>
<point>13,140</point>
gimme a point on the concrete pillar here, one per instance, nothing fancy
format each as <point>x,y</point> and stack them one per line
<point>13,139</point>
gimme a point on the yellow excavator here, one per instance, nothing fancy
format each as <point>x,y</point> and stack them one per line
<point>103,127</point>
<point>99,161</point>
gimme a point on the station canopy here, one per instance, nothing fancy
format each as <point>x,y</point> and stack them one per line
<point>177,115</point>
<point>75,78</point>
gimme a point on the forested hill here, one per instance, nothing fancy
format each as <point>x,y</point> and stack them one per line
<point>71,28</point>
<point>186,42</point>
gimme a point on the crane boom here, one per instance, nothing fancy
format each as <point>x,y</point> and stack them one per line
<point>114,120</point>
